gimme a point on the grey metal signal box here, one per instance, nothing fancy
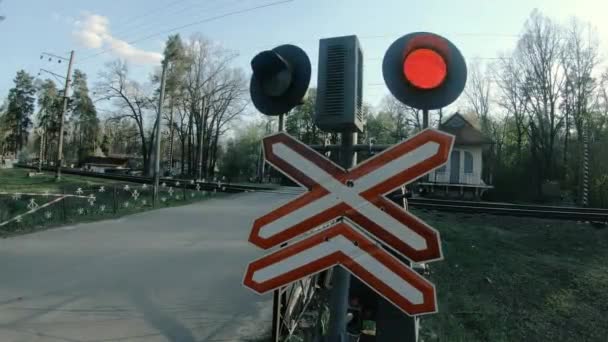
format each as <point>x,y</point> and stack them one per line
<point>340,85</point>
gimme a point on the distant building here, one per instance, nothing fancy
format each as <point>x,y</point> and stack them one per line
<point>463,171</point>
<point>106,164</point>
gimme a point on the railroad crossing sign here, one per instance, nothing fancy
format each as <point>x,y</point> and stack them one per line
<point>354,203</point>
<point>356,194</point>
<point>345,245</point>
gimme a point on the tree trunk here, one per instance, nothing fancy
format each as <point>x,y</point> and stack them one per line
<point>183,153</point>
<point>189,138</point>
<point>566,140</point>
<point>171,136</point>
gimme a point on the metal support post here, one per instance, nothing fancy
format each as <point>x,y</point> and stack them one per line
<point>339,300</point>
<point>281,122</point>
<point>425,118</point>
<point>277,301</point>
<point>157,155</point>
<point>585,168</point>
<point>66,94</point>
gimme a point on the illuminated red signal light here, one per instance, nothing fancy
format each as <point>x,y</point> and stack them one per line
<point>424,68</point>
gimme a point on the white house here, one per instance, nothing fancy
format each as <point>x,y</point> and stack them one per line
<point>463,171</point>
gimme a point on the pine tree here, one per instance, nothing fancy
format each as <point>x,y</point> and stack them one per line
<point>21,102</point>
<point>84,117</point>
<point>50,106</point>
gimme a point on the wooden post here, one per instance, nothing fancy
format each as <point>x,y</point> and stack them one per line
<point>65,216</point>
<point>114,206</point>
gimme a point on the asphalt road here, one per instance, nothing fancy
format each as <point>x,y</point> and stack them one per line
<point>167,275</point>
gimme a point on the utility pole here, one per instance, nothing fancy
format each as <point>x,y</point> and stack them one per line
<point>201,143</point>
<point>66,98</point>
<point>171,136</point>
<point>585,167</point>
<point>40,131</point>
<point>157,155</point>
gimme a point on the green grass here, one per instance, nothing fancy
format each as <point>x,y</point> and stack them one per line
<point>518,279</point>
<point>115,201</point>
<point>17,180</point>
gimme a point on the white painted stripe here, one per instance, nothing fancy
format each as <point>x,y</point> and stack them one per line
<point>381,272</point>
<point>298,216</point>
<point>298,260</point>
<point>340,243</point>
<point>341,192</point>
<point>390,224</point>
<point>396,166</point>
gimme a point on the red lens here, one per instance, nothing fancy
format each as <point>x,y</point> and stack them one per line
<point>424,68</point>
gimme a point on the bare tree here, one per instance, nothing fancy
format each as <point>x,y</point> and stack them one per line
<point>406,118</point>
<point>600,105</point>
<point>227,104</point>
<point>477,94</point>
<point>539,55</point>
<point>579,60</point>
<point>131,101</point>
<point>511,98</point>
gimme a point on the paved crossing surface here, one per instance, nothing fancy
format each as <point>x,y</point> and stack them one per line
<point>168,275</point>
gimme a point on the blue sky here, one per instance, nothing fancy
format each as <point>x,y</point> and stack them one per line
<point>480,28</point>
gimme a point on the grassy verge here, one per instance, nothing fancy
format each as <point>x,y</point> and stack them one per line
<point>90,199</point>
<point>17,180</point>
<point>518,279</point>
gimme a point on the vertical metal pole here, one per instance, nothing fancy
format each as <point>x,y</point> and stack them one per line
<point>114,206</point>
<point>276,296</point>
<point>425,118</point>
<point>66,94</point>
<point>199,170</point>
<point>276,315</point>
<point>391,323</point>
<point>340,278</point>
<point>281,122</point>
<point>41,134</point>
<point>157,134</point>
<point>64,212</point>
<point>585,182</point>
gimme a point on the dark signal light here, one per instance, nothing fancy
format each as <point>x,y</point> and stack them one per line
<point>280,79</point>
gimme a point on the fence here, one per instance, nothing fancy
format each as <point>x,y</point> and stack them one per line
<point>32,211</point>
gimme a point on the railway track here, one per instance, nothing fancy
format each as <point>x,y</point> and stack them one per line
<point>550,212</point>
<point>492,208</point>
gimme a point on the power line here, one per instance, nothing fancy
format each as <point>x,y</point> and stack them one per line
<point>131,20</point>
<point>206,20</point>
<point>151,24</point>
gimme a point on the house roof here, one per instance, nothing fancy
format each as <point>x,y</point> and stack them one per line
<point>464,131</point>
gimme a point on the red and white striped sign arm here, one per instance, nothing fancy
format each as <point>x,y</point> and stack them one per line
<point>357,194</point>
<point>344,245</point>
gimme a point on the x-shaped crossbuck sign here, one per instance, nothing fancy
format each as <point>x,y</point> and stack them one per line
<point>343,244</point>
<point>357,194</point>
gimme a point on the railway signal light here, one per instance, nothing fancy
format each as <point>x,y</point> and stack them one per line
<point>424,70</point>
<point>280,79</point>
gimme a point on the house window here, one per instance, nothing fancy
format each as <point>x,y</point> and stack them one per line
<point>442,169</point>
<point>468,162</point>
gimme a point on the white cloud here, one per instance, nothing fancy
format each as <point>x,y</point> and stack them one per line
<point>93,31</point>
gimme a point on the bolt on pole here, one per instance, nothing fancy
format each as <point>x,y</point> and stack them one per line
<point>64,109</point>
